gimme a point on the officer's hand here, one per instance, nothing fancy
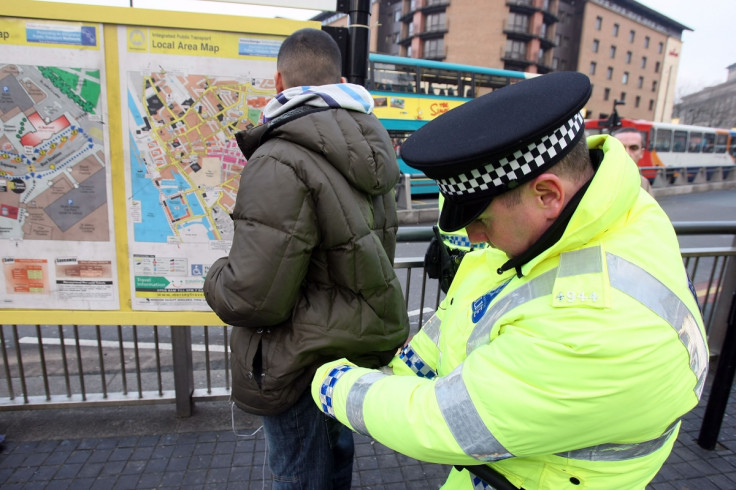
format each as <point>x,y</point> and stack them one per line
<point>323,381</point>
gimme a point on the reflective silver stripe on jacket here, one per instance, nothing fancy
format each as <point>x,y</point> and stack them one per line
<point>536,288</point>
<point>356,396</point>
<point>431,329</point>
<point>620,452</point>
<point>464,421</point>
<point>642,286</point>
<point>413,360</point>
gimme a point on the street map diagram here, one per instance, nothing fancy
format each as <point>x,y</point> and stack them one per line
<point>185,164</point>
<point>52,155</point>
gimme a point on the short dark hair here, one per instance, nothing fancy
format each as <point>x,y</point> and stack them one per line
<point>309,57</point>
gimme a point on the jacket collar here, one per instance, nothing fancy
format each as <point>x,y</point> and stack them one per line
<point>602,201</point>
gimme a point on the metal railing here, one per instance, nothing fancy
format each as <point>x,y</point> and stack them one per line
<point>53,366</point>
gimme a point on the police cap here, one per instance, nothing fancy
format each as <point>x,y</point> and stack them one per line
<point>498,141</point>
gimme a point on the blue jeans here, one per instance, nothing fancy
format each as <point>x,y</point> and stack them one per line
<point>308,450</point>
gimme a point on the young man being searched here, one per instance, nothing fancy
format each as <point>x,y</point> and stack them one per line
<point>568,360</point>
<point>310,277</point>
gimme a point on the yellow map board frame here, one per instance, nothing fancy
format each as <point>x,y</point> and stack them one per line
<point>111,18</point>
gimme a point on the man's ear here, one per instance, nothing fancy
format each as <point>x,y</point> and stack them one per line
<point>550,194</point>
<point>279,80</point>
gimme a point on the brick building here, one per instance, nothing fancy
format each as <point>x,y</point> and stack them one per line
<point>630,52</point>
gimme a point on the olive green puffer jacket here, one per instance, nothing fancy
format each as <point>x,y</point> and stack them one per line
<point>309,277</point>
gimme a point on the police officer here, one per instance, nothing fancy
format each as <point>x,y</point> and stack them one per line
<point>568,360</point>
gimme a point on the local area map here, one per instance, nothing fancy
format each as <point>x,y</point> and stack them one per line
<point>184,161</point>
<point>52,159</point>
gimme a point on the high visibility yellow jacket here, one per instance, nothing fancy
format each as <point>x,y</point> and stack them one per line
<point>574,375</point>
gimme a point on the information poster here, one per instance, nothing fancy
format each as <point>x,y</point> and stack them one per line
<point>185,94</point>
<point>56,229</point>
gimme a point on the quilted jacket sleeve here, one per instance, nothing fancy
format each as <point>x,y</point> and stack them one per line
<point>258,283</point>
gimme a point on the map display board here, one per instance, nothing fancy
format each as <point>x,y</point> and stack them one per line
<point>184,94</point>
<point>57,244</point>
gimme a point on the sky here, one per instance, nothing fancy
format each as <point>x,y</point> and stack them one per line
<point>706,52</point>
<point>711,45</point>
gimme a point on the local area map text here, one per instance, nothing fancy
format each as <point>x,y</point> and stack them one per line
<point>53,179</point>
<point>185,163</point>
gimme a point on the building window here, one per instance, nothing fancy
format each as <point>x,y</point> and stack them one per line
<point>609,73</point>
<point>628,57</point>
<point>596,43</point>
<point>435,22</point>
<point>613,51</point>
<point>606,93</point>
<point>656,67</point>
<point>592,67</point>
<point>643,61</point>
<point>654,86</point>
<point>517,22</point>
<point>632,35</point>
<point>637,101</point>
<point>660,48</point>
<point>651,104</point>
<point>515,49</point>
<point>623,96</point>
<point>646,42</point>
<point>625,78</point>
<point>615,30</point>
<point>598,23</point>
<point>434,48</point>
<point>641,83</point>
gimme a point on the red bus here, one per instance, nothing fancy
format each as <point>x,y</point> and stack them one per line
<point>675,145</point>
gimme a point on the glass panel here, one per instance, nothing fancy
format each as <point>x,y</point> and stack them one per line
<point>679,142</point>
<point>695,143</point>
<point>721,142</point>
<point>709,142</point>
<point>438,82</point>
<point>393,77</point>
<point>663,140</point>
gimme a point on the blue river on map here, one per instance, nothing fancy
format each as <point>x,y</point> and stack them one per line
<point>134,110</point>
<point>154,226</point>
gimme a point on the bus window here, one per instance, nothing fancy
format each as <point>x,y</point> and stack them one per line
<point>393,77</point>
<point>709,142</point>
<point>679,142</point>
<point>663,140</point>
<point>488,83</point>
<point>650,139</point>
<point>721,142</point>
<point>695,143</point>
<point>434,81</point>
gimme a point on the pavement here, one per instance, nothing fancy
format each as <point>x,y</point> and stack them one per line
<point>148,446</point>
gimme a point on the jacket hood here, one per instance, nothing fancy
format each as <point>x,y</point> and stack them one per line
<point>354,143</point>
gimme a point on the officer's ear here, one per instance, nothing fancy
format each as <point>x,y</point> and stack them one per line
<point>549,194</point>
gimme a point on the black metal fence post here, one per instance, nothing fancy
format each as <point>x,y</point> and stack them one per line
<point>721,388</point>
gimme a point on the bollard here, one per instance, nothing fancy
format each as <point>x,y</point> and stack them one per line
<point>721,388</point>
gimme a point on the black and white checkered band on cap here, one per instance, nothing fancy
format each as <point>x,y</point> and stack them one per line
<point>517,165</point>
